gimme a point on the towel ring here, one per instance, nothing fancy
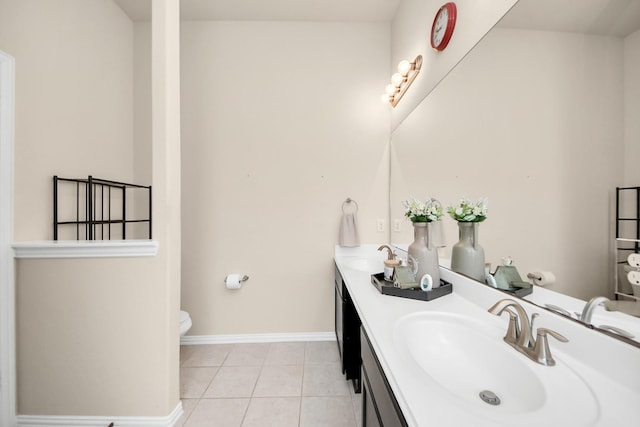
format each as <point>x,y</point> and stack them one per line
<point>348,201</point>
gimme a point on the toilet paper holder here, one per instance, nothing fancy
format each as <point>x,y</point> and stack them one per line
<point>234,281</point>
<point>244,278</point>
<point>542,278</point>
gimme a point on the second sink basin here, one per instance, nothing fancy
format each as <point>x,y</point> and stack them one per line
<point>463,357</point>
<point>367,265</point>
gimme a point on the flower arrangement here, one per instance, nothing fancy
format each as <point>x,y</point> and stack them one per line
<point>465,211</point>
<point>419,211</point>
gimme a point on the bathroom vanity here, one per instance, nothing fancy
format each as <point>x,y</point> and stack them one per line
<point>379,405</point>
<point>426,363</point>
<point>360,364</point>
<point>347,324</point>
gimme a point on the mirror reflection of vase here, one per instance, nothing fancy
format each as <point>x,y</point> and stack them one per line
<point>467,256</point>
<point>424,252</point>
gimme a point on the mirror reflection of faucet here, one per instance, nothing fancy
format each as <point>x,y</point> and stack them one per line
<point>589,307</point>
<point>587,315</point>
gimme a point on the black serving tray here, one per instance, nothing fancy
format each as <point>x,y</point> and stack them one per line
<point>519,292</point>
<point>386,287</point>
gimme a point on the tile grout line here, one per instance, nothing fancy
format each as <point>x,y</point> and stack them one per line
<point>253,390</point>
<point>304,364</point>
<point>206,388</point>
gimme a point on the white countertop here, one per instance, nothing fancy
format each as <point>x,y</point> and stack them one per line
<point>610,367</point>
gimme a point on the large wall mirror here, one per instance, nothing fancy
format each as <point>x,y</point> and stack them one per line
<point>538,118</point>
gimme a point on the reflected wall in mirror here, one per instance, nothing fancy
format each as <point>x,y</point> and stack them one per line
<point>410,36</point>
<point>541,118</point>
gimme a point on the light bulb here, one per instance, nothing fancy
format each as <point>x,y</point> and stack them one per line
<point>390,89</point>
<point>404,67</point>
<point>385,98</point>
<point>397,79</point>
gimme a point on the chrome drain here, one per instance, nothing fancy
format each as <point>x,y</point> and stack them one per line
<point>489,397</point>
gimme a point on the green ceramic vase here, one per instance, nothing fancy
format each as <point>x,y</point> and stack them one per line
<point>467,256</point>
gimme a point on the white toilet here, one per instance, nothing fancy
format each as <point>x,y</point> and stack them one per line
<point>185,323</point>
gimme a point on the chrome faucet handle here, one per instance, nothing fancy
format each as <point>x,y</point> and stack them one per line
<point>513,330</point>
<point>616,330</point>
<point>541,350</point>
<point>532,343</point>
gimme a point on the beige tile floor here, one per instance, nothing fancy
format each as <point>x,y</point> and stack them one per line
<point>296,384</point>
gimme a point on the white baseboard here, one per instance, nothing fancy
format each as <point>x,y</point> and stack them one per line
<point>91,421</point>
<point>257,338</point>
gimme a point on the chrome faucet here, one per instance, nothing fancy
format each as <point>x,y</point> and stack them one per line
<point>390,254</point>
<point>590,307</point>
<point>520,332</point>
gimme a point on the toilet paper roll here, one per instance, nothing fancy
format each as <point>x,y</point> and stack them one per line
<point>543,278</point>
<point>634,260</point>
<point>233,281</point>
<point>634,277</point>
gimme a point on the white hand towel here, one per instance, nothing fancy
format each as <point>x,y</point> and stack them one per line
<point>348,231</point>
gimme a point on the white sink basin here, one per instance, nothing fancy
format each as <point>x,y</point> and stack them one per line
<point>367,265</point>
<point>463,357</point>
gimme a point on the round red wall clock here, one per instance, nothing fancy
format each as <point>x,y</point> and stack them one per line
<point>443,26</point>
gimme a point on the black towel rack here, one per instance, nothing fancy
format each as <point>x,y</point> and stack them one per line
<point>627,238</point>
<point>102,208</point>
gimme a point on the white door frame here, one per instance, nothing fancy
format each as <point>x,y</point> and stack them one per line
<point>7,285</point>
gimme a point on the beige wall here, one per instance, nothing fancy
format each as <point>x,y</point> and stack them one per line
<point>632,109</point>
<point>281,123</point>
<point>95,336</point>
<point>142,149</point>
<point>66,124</point>
<point>90,338</point>
<point>166,170</point>
<point>533,120</point>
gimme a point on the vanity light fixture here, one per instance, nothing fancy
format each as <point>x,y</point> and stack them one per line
<point>400,81</point>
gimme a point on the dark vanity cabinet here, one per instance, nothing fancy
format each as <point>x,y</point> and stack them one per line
<point>347,332</point>
<point>379,405</point>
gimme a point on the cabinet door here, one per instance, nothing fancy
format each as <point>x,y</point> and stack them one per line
<point>339,305</point>
<point>369,412</point>
<point>352,359</point>
<point>381,396</point>
<point>347,323</point>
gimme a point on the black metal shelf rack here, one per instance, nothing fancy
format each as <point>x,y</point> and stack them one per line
<point>627,238</point>
<point>102,207</point>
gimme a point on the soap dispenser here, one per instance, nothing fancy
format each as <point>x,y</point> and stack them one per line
<point>390,263</point>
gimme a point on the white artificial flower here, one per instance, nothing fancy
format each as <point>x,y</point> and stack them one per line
<point>418,211</point>
<point>466,211</point>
